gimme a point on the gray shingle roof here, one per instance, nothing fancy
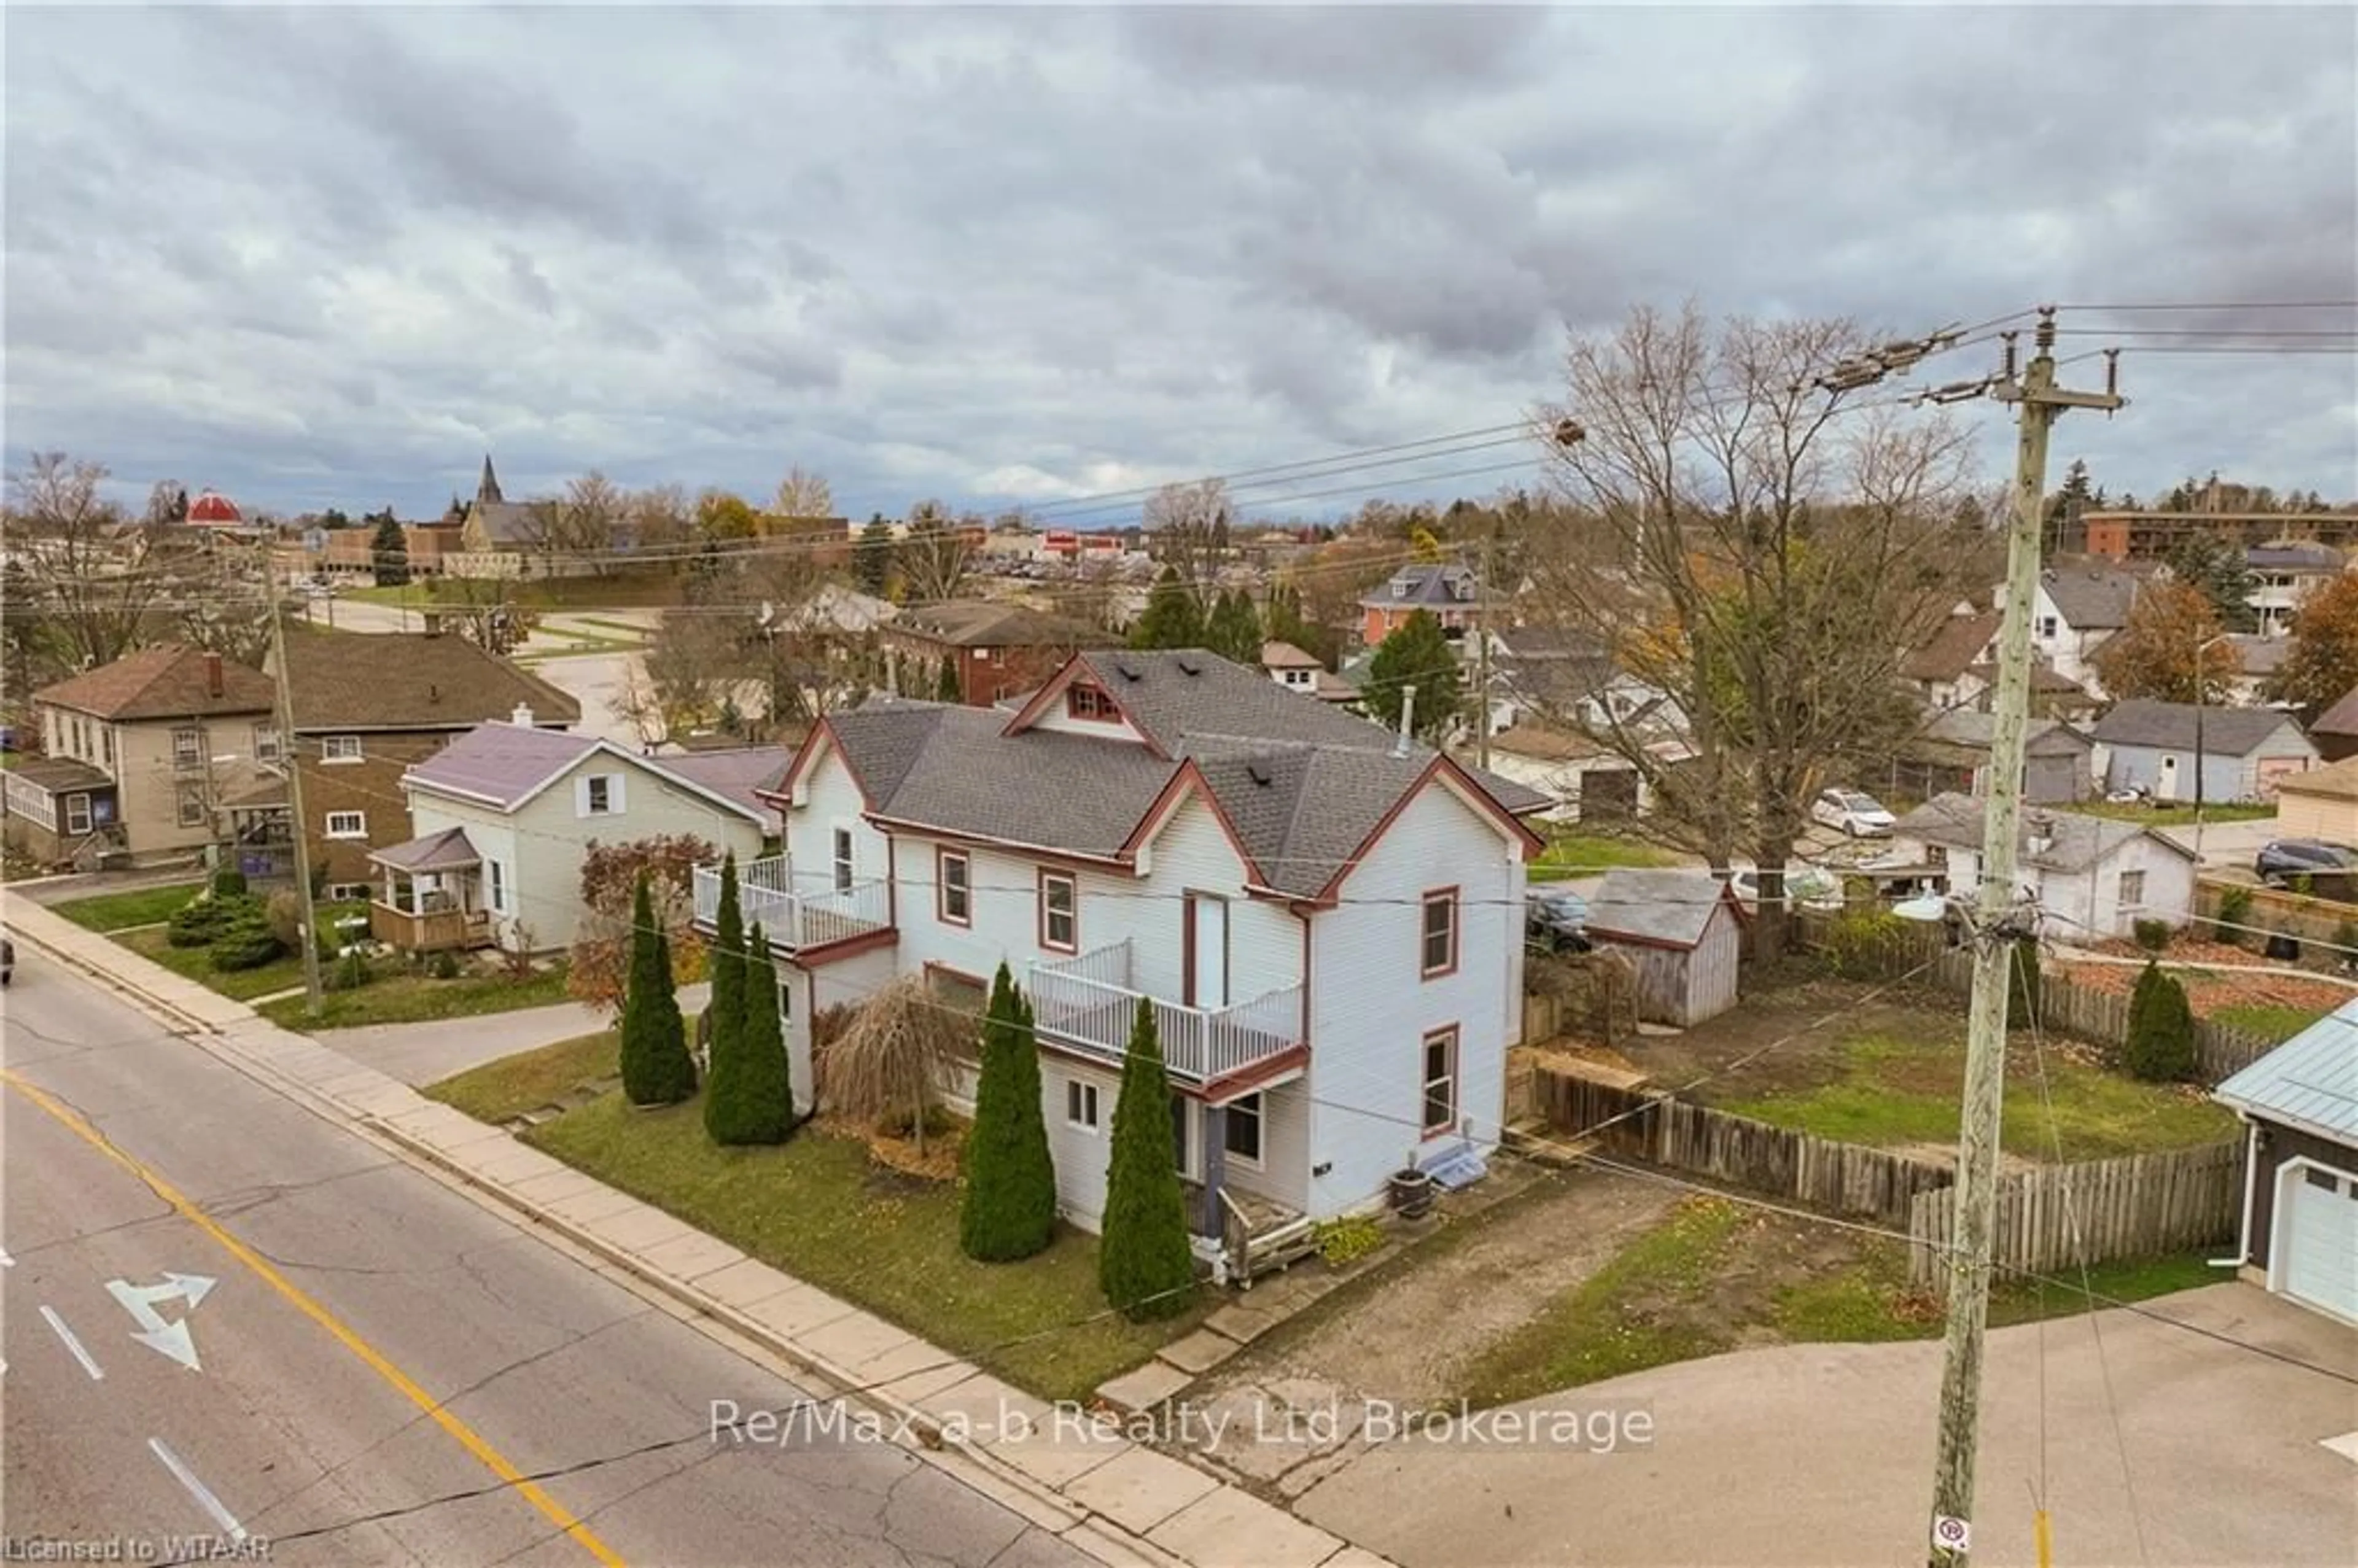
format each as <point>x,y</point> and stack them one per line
<point>1966,727</point>
<point>1427,587</point>
<point>2091,599</point>
<point>2341,719</point>
<point>1663,906</point>
<point>2226,731</point>
<point>447,850</point>
<point>734,773</point>
<point>2310,1082</point>
<point>2074,842</point>
<point>2293,556</point>
<point>1304,785</point>
<point>503,762</point>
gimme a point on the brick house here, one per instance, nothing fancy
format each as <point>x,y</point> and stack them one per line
<point>997,651</point>
<point>138,756</point>
<point>368,705</point>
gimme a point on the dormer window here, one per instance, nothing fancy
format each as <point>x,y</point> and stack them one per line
<point>1091,703</point>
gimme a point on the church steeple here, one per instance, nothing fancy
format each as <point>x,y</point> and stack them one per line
<point>489,491</point>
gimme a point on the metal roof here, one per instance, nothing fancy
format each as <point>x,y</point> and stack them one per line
<point>2310,1082</point>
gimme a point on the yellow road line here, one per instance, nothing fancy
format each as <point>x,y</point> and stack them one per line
<point>491,1458</point>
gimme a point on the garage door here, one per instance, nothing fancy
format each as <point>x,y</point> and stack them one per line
<point>2321,1239</point>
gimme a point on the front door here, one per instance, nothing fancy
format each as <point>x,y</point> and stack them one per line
<point>2165,786</point>
<point>1207,952</point>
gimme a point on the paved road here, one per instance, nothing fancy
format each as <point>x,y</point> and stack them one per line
<point>373,1351</point>
<point>1819,1455</point>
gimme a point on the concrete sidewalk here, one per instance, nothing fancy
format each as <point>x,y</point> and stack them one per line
<point>1116,1500</point>
<point>427,1053</point>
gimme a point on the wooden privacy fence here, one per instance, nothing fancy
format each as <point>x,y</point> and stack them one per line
<point>2055,1218</point>
<point>1679,1135</point>
<point>2065,1006</point>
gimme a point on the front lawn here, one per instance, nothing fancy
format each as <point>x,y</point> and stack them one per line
<point>1572,854</point>
<point>397,997</point>
<point>1715,1275</point>
<point>2171,816</point>
<point>122,910</point>
<point>280,974</point>
<point>1901,1090</point>
<point>498,1092</point>
<point>822,1209</point>
<point>622,591</point>
<point>2265,1020</point>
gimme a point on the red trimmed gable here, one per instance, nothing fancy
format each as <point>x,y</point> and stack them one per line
<point>1459,783</point>
<point>822,738</point>
<point>1078,692</point>
<point>1188,782</point>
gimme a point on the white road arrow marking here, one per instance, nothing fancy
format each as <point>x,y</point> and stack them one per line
<point>155,1331</point>
<point>49,1314</point>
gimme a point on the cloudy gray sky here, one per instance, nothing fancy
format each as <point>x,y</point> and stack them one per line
<point>332,256</point>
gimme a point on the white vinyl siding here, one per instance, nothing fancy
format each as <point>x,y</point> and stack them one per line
<point>2082,906</point>
<point>834,804</point>
<point>1080,1153</point>
<point>1370,1010</point>
<point>600,795</point>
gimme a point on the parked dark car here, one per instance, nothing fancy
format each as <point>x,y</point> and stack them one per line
<point>2280,860</point>
<point>1557,922</point>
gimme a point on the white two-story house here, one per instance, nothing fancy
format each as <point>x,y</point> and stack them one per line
<point>1325,919</point>
<point>2077,610</point>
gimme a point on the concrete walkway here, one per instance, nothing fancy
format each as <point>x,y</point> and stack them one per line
<point>1112,1498</point>
<point>420,1054</point>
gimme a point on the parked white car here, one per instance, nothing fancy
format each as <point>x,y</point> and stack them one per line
<point>1848,811</point>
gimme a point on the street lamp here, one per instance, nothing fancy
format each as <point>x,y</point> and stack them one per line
<point>2200,687</point>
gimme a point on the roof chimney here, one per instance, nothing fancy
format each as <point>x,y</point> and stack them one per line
<point>1408,719</point>
<point>214,684</point>
<point>522,717</point>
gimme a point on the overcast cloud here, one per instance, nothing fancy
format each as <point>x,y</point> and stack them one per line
<point>332,256</point>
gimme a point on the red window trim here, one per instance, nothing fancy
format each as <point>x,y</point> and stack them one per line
<point>1456,1082</point>
<point>1100,703</point>
<point>1423,908</point>
<point>1043,878</point>
<point>942,857</point>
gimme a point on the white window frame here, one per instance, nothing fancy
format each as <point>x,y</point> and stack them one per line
<point>1256,1107</point>
<point>80,798</point>
<point>1083,1109</point>
<point>947,890</point>
<point>357,892</point>
<point>495,887</point>
<point>341,749</point>
<point>1451,1078</point>
<point>190,807</point>
<point>266,747</point>
<point>1187,1127</point>
<point>841,859</point>
<point>188,746</point>
<point>2131,890</point>
<point>1072,914</point>
<point>602,795</point>
<point>358,831</point>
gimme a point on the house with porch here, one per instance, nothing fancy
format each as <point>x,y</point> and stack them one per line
<point>504,814</point>
<point>138,757</point>
<point>1324,918</point>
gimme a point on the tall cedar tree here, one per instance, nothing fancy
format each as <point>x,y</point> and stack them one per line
<point>726,1007</point>
<point>656,1069</point>
<point>871,557</point>
<point>2213,564</point>
<point>2022,985</point>
<point>2321,666</point>
<point>1234,630</point>
<point>1416,654</point>
<point>1144,1264</point>
<point>389,549</point>
<point>2160,1048</point>
<point>756,1104</point>
<point>1009,1209</point>
<point>945,682</point>
<point>1173,617</point>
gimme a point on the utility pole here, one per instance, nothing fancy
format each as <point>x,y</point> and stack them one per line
<point>288,755</point>
<point>1482,651</point>
<point>1995,927</point>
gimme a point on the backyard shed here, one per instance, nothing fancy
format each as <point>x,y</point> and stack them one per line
<point>1683,935</point>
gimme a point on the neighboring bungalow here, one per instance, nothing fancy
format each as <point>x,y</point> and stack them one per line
<point>1952,753</point>
<point>368,707</point>
<point>2321,803</point>
<point>1683,933</point>
<point>2300,1184</point>
<point>139,755</point>
<point>1297,670</point>
<point>2241,752</point>
<point>2077,610</point>
<point>1587,782</point>
<point>2283,574</point>
<point>504,814</point>
<point>992,651</point>
<point>2335,732</point>
<point>1450,594</point>
<point>1942,672</point>
<point>2093,877</point>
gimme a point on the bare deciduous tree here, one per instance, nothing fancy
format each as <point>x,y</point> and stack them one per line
<point>933,558</point>
<point>95,578</point>
<point>168,503</point>
<point>802,493</point>
<point>661,518</point>
<point>582,524</point>
<point>1187,527</point>
<point>1770,550</point>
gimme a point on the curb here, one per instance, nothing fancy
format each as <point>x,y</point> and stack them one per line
<point>180,1020</point>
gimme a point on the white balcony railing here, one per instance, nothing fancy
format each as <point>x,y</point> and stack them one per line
<point>792,920</point>
<point>1089,1002</point>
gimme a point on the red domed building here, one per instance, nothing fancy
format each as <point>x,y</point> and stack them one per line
<point>216,510</point>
